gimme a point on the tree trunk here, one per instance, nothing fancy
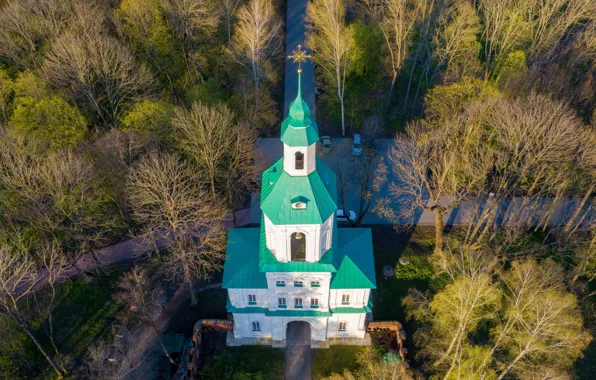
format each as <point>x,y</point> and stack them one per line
<point>40,348</point>
<point>341,101</point>
<point>393,79</point>
<point>579,208</point>
<point>439,227</point>
<point>193,296</point>
<point>161,343</point>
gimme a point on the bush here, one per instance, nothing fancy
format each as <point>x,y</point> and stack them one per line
<point>419,268</point>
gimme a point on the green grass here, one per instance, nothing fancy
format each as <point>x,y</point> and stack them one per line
<point>245,363</point>
<point>334,359</point>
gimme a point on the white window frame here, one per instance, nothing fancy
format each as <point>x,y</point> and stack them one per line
<point>256,326</point>
<point>318,284</point>
<point>280,283</point>
<point>281,303</point>
<point>298,284</point>
<point>344,324</point>
<point>298,303</point>
<point>345,299</point>
<point>252,299</point>
<point>314,303</point>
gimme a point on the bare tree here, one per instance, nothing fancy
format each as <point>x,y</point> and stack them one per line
<point>504,30</point>
<point>167,196</point>
<point>17,273</point>
<point>257,43</point>
<point>145,298</point>
<point>98,70</point>
<point>26,25</point>
<point>117,361</point>
<point>435,170</point>
<point>397,20</point>
<point>219,144</point>
<point>455,37</point>
<point>60,194</point>
<point>332,42</point>
<point>533,135</point>
<point>190,20</point>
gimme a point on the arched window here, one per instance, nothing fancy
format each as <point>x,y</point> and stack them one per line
<point>299,160</point>
<point>298,246</point>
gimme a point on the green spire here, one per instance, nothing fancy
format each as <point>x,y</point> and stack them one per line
<point>298,129</point>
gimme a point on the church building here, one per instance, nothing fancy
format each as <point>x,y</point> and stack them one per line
<point>299,266</point>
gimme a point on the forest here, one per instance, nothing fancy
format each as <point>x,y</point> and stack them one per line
<point>139,119</point>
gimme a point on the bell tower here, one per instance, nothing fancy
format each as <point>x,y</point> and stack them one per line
<point>299,192</point>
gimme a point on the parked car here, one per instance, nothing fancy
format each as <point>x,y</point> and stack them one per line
<point>356,147</point>
<point>326,141</point>
<point>341,216</point>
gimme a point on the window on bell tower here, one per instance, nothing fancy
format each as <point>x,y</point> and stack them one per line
<point>299,161</point>
<point>298,246</point>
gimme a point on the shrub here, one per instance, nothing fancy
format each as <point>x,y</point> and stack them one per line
<point>419,268</point>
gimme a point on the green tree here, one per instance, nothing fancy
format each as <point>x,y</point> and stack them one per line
<point>152,117</point>
<point>50,119</point>
<point>6,89</point>
<point>144,23</point>
<point>446,101</point>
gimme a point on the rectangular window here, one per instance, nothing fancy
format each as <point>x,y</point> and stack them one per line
<point>345,299</point>
<point>298,284</point>
<point>281,303</point>
<point>343,326</point>
<point>298,303</point>
<point>256,326</point>
<point>252,299</point>
<point>314,303</point>
<point>280,283</point>
<point>315,284</point>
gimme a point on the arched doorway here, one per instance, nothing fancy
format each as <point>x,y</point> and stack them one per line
<point>298,246</point>
<point>298,333</point>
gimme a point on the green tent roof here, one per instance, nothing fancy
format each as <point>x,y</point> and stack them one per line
<point>298,129</point>
<point>357,268</point>
<point>279,190</point>
<point>241,268</point>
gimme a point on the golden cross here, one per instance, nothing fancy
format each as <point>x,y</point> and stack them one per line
<point>299,56</point>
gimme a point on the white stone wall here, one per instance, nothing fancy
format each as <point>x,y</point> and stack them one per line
<point>358,297</point>
<point>239,297</point>
<point>321,328</point>
<point>355,325</point>
<point>310,156</point>
<point>307,292</point>
<point>318,239</point>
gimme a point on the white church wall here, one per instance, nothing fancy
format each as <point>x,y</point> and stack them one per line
<point>239,297</point>
<point>358,297</point>
<point>310,156</point>
<point>355,325</point>
<point>243,325</point>
<point>290,292</point>
<point>318,239</point>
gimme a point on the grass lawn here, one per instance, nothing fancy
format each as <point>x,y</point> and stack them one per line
<point>245,362</point>
<point>334,359</point>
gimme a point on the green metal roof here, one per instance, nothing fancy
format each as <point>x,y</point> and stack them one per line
<point>297,313</point>
<point>241,268</point>
<point>279,190</point>
<point>357,268</point>
<point>298,129</point>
